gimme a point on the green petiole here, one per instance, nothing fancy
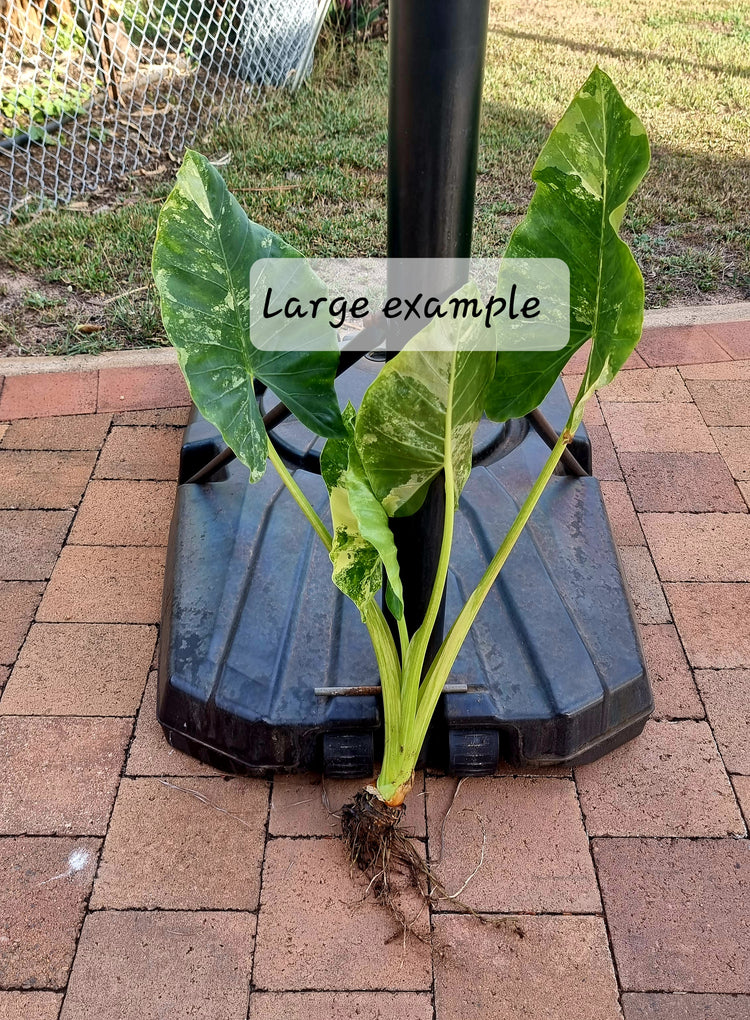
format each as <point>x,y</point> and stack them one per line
<point>408,701</point>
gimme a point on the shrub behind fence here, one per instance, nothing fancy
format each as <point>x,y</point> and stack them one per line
<point>93,88</point>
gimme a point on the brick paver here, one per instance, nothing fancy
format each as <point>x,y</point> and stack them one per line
<point>45,884</point>
<point>139,388</point>
<point>98,584</point>
<point>143,454</point>
<point>48,394</point>
<point>713,622</point>
<point>70,432</point>
<point>733,337</point>
<point>306,885</point>
<point>175,416</point>
<point>80,669</point>
<point>59,775</point>
<point>43,480</point>
<point>645,590</point>
<point>722,401</point>
<point>592,414</point>
<point>622,516</point>
<point>604,459</point>
<point>664,385</point>
<point>536,854</point>
<point>737,370</point>
<point>658,428</point>
<point>677,912</point>
<point>679,345</point>
<point>29,1005</point>
<point>187,862</point>
<point>198,844</point>
<point>734,446</point>
<point>146,966</point>
<point>340,1006</point>
<point>689,482</point>
<point>681,1006</point>
<point>670,781</point>
<point>18,602</point>
<point>675,693</point>
<point>124,513</point>
<point>742,789</point>
<point>726,695</point>
<point>699,547</point>
<point>538,968</point>
<point>309,805</point>
<point>30,542</point>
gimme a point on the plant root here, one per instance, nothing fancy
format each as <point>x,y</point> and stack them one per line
<point>380,848</point>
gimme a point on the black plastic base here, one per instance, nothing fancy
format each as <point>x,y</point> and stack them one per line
<point>252,624</point>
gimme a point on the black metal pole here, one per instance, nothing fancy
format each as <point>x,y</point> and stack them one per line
<point>436,52</point>
<point>435,89</point>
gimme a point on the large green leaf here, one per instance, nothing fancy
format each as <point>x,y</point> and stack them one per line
<point>205,246</point>
<point>590,166</point>
<point>422,410</point>
<point>362,541</point>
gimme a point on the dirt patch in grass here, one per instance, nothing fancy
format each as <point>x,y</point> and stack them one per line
<point>77,280</point>
<point>38,317</point>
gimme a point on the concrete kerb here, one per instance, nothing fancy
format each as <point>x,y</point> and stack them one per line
<point>147,357</point>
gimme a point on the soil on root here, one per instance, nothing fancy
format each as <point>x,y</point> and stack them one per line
<point>386,854</point>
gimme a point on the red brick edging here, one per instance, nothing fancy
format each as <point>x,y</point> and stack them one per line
<point>128,381</point>
<point>144,379</point>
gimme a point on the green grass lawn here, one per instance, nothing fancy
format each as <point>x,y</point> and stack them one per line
<point>312,166</point>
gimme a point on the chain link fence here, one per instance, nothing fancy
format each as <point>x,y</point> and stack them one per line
<point>90,89</point>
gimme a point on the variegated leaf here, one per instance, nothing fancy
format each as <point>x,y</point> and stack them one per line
<point>357,570</point>
<point>362,541</point>
<point>423,409</point>
<point>205,246</point>
<point>589,167</point>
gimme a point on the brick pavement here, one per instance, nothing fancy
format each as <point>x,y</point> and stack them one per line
<point>138,883</point>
